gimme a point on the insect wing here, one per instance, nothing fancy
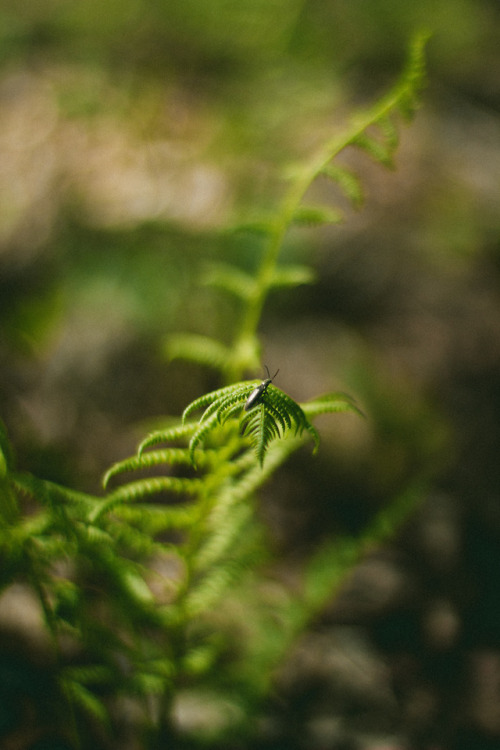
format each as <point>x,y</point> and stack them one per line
<point>257,392</point>
<point>254,397</point>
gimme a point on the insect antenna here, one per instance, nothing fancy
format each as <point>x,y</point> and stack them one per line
<point>269,374</point>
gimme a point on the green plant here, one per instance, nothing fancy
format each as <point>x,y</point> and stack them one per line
<point>138,587</point>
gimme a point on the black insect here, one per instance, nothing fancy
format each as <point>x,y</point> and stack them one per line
<point>259,391</point>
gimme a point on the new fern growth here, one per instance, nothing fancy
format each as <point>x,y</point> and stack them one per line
<point>185,502</point>
<point>374,132</point>
<point>271,415</point>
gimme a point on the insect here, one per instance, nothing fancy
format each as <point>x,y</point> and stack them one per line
<point>259,391</point>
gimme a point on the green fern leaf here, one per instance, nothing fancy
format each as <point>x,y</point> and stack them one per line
<point>315,216</point>
<point>413,79</point>
<point>86,700</point>
<point>297,415</point>
<point>170,456</point>
<point>154,519</point>
<point>205,595</point>
<point>225,531</point>
<point>314,434</point>
<point>260,430</point>
<point>144,488</point>
<point>263,226</point>
<point>203,430</point>
<point>290,276</point>
<point>215,397</point>
<point>169,434</point>
<point>331,402</point>
<point>221,405</point>
<point>231,405</point>
<point>286,404</point>
<point>280,416</point>
<point>389,131</point>
<point>231,279</point>
<point>200,349</point>
<point>348,182</point>
<point>378,150</point>
<point>272,416</point>
<point>49,493</point>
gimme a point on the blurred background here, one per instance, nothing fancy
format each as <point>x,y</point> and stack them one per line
<point>132,134</point>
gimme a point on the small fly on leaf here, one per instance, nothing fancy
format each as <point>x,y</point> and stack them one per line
<point>259,391</point>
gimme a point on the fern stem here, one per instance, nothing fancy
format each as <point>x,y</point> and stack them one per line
<point>394,99</point>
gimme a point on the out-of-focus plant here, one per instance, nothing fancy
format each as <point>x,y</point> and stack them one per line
<point>153,590</point>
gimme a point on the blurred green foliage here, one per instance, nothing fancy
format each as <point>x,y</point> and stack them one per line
<point>133,133</point>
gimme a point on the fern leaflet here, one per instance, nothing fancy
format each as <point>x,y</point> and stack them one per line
<point>274,415</point>
<point>200,349</point>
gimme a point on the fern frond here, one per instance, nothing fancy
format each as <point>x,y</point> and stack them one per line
<point>403,98</point>
<point>280,416</point>
<point>80,695</point>
<point>377,149</point>
<point>50,493</point>
<point>230,279</point>
<point>259,226</point>
<point>231,411</point>
<point>169,434</point>
<point>170,456</point>
<point>290,276</point>
<point>315,216</point>
<point>134,491</point>
<point>313,432</point>
<point>231,405</point>
<point>207,592</point>
<point>222,404</point>
<point>270,418</point>
<point>259,429</point>
<point>204,427</point>
<point>347,181</point>
<point>200,349</point>
<point>331,402</point>
<point>217,396</point>
<point>413,78</point>
<point>389,132</point>
<point>225,528</point>
<point>282,401</point>
<point>153,519</point>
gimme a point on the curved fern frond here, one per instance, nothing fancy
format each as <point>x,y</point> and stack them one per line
<point>331,402</point>
<point>50,493</point>
<point>169,434</point>
<point>389,132</point>
<point>273,415</point>
<point>260,226</point>
<point>153,519</point>
<point>379,150</point>
<point>259,429</point>
<point>413,78</point>
<point>204,427</point>
<point>347,181</point>
<point>215,397</point>
<point>290,276</point>
<point>171,456</point>
<point>230,279</point>
<point>310,216</point>
<point>134,491</point>
<point>230,406</point>
<point>220,406</point>
<point>402,99</point>
<point>280,416</point>
<point>200,349</point>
